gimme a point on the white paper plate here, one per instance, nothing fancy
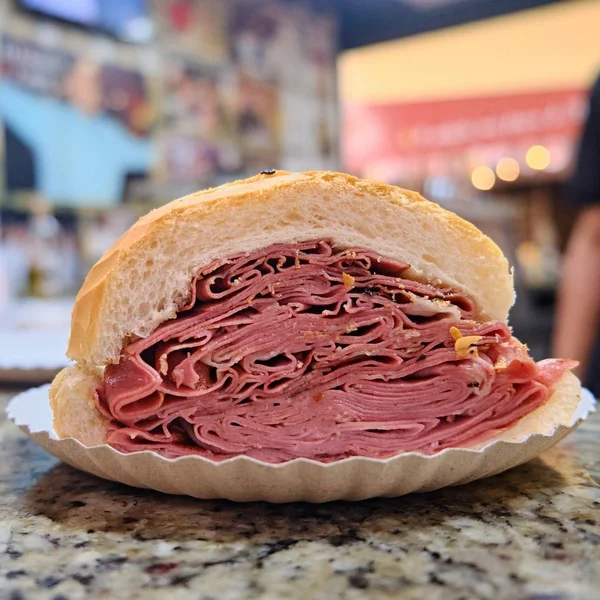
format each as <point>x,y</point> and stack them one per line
<point>246,479</point>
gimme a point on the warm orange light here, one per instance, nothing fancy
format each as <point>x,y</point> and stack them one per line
<point>538,157</point>
<point>507,169</point>
<point>483,178</point>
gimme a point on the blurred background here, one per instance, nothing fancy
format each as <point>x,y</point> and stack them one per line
<point>109,108</point>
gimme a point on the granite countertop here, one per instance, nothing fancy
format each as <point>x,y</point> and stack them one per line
<point>532,533</point>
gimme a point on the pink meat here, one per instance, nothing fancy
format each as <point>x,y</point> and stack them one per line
<point>307,350</point>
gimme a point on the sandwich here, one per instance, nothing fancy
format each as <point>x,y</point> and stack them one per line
<point>301,316</point>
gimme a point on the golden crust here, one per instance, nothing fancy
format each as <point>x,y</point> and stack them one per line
<point>74,412</point>
<point>88,317</point>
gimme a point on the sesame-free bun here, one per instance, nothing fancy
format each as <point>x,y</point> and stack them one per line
<point>145,276</point>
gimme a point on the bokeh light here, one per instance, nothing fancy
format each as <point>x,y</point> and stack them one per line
<point>483,178</point>
<point>538,157</point>
<point>507,169</point>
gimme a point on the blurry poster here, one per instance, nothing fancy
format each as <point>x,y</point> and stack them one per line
<point>124,98</point>
<point>257,116</point>
<point>254,37</point>
<point>196,102</point>
<point>201,133</point>
<point>75,130</point>
<point>199,27</point>
<point>307,40</point>
<point>190,159</point>
<point>322,56</point>
<point>320,38</point>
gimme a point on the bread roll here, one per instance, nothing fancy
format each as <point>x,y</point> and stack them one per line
<point>432,362</point>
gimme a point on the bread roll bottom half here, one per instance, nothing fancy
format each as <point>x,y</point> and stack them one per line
<point>302,316</point>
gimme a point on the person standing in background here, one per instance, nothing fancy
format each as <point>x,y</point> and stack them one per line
<point>577,324</point>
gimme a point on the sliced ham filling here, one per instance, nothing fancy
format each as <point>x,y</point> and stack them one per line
<point>309,350</point>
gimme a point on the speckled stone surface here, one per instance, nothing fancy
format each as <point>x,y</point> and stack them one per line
<point>532,534</point>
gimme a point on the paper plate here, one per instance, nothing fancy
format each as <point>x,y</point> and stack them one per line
<point>247,479</point>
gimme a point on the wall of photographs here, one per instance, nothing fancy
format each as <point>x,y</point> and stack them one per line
<point>124,114</point>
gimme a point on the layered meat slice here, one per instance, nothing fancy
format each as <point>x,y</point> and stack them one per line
<point>309,350</point>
